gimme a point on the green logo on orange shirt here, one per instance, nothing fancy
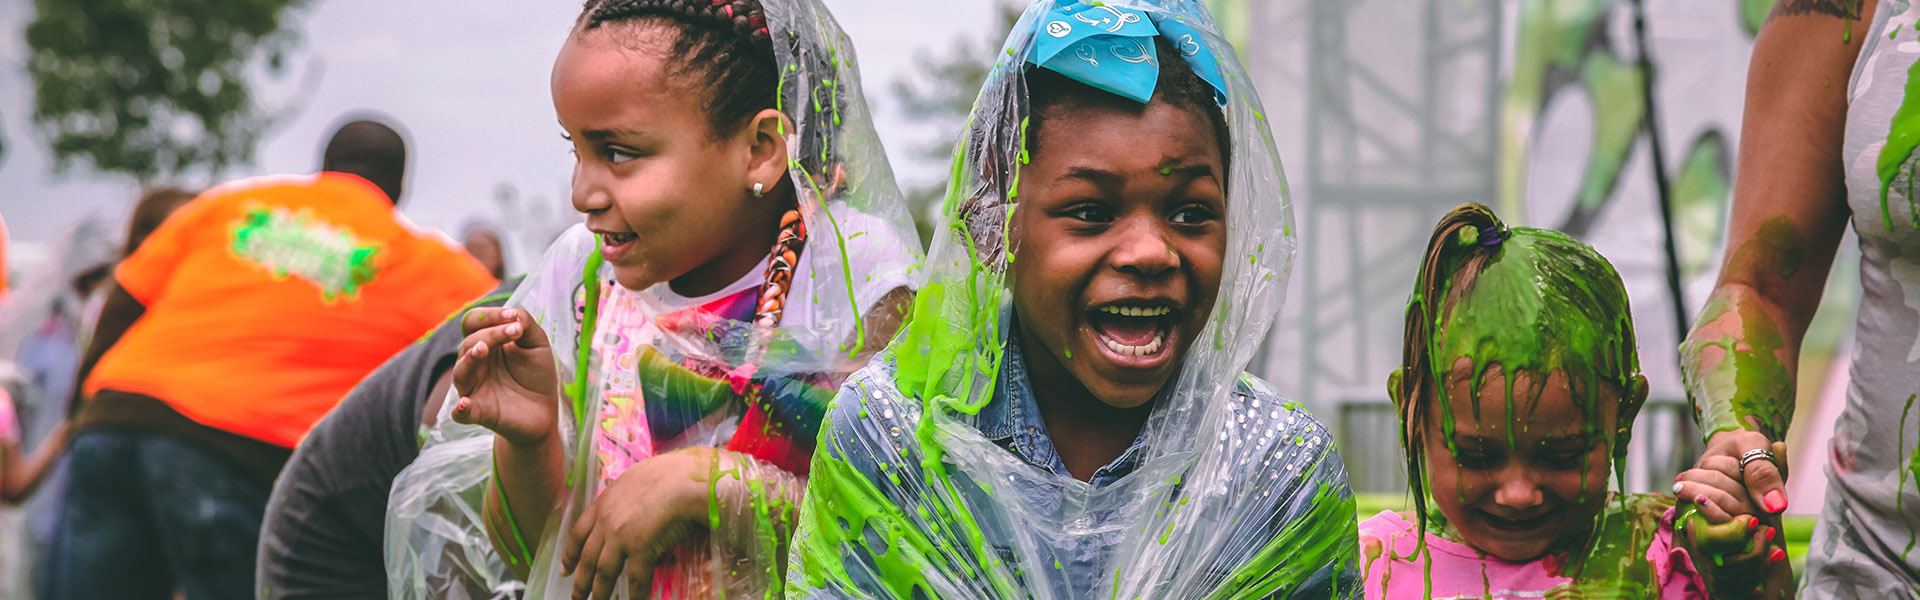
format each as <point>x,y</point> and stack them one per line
<point>294,244</point>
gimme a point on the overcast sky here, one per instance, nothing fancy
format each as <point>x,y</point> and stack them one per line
<point>468,79</point>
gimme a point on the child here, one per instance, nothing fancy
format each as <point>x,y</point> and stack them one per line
<point>659,378</point>
<point>1519,388</point>
<point>21,472</point>
<point>1066,415</point>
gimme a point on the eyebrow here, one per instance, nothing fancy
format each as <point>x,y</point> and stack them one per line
<point>1096,177</point>
<point>600,135</point>
<point>1193,172</point>
<point>1480,440</point>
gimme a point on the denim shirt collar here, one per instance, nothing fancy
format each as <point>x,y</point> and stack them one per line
<point>1012,420</point>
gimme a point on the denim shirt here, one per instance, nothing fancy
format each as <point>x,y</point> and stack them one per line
<point>865,430</point>
<point>1012,420</point>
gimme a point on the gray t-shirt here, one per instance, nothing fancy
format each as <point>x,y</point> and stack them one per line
<point>322,535</point>
<point>1864,544</point>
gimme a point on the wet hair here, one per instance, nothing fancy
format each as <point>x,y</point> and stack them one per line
<point>1528,273</point>
<point>725,43</point>
<point>372,150</point>
<point>1049,92</point>
<point>153,208</point>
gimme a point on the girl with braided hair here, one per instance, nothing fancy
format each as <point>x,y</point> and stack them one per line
<point>637,420</point>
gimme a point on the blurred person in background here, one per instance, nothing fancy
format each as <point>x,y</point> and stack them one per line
<point>487,246</point>
<point>42,332</point>
<point>322,535</point>
<point>235,326</point>
<point>4,266</point>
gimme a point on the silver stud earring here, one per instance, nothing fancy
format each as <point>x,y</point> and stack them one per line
<point>758,189</point>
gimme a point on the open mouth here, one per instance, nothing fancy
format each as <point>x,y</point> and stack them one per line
<point>615,245</point>
<point>1137,335</point>
<point>1507,524</point>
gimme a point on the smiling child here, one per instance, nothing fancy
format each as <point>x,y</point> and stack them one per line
<point>1067,415</point>
<point>1520,385</point>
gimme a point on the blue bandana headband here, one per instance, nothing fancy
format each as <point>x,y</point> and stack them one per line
<point>1112,48</point>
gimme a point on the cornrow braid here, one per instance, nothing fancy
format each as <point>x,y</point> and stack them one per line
<point>725,42</point>
<point>744,17</point>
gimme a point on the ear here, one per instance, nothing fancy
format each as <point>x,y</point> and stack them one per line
<point>1631,400</point>
<point>1394,380</point>
<point>767,149</point>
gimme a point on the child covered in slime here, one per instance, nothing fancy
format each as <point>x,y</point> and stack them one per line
<point>1066,415</point>
<point>649,396</point>
<point>1519,387</point>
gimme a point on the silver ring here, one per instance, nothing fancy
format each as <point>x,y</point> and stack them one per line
<point>1756,454</point>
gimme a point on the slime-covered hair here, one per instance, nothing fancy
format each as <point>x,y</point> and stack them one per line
<point>1529,300</point>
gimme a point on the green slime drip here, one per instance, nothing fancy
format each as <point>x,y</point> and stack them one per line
<point>1903,136</point>
<point>1913,470</point>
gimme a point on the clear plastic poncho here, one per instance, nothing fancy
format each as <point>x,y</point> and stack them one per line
<point>649,372</point>
<point>1238,494</point>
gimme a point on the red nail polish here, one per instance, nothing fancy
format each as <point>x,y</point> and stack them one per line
<point>1770,533</point>
<point>1776,501</point>
<point>1677,478</point>
<point>1777,556</point>
<point>1701,499</point>
<point>1753,521</point>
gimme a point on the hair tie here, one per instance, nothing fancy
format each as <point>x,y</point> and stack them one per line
<point>1492,235</point>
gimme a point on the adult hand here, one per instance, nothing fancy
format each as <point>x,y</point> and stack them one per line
<point>1764,480</point>
<point>505,376</point>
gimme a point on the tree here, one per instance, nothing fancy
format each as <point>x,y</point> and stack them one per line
<point>952,83</point>
<point>152,88</point>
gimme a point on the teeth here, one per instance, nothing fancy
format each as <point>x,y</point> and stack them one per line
<point>1136,311</point>
<point>1147,349</point>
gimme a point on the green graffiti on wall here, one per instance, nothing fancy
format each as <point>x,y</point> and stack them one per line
<point>1562,47</point>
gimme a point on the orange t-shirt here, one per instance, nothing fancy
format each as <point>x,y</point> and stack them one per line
<point>267,299</point>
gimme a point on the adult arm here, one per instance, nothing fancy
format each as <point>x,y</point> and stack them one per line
<point>1789,214</point>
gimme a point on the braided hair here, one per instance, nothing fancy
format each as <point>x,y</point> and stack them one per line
<point>726,42</point>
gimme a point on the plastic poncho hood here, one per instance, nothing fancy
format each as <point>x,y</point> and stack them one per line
<point>1235,493</point>
<point>648,371</point>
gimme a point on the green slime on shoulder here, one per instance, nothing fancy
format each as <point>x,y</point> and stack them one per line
<point>1903,136</point>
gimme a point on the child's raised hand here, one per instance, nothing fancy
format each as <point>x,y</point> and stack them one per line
<point>505,375</point>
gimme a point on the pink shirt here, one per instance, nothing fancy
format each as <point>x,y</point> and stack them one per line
<point>1459,571</point>
<point>9,425</point>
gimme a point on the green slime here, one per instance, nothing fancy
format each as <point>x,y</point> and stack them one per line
<point>1543,302</point>
<point>1903,136</point>
<point>1749,387</point>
